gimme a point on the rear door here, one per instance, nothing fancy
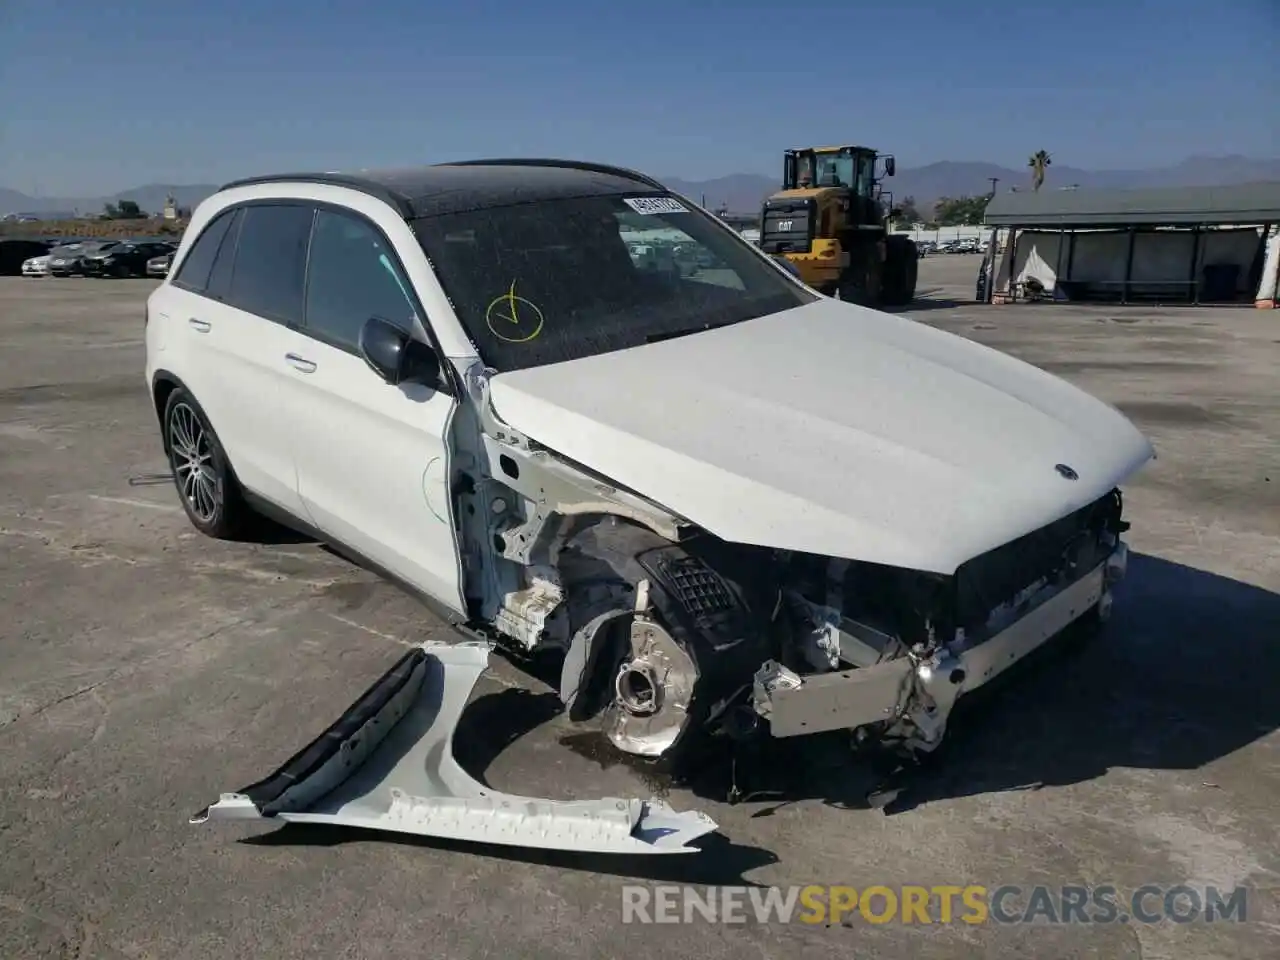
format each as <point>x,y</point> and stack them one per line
<point>243,299</point>
<point>372,458</point>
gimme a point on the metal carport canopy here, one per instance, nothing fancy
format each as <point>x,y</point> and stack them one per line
<point>1248,203</point>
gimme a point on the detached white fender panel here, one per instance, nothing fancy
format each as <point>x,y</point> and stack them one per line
<point>387,764</point>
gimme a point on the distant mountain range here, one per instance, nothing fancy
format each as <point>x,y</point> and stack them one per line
<point>150,198</point>
<point>743,192</point>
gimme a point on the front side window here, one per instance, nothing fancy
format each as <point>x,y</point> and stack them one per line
<point>543,282</point>
<point>351,278</point>
<point>835,169</point>
<point>271,258</point>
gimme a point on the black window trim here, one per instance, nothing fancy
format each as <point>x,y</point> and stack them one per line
<point>230,245</point>
<point>235,210</point>
<point>448,383</point>
<point>306,257</point>
<point>175,276</point>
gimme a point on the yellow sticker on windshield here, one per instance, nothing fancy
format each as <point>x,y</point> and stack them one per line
<point>513,319</point>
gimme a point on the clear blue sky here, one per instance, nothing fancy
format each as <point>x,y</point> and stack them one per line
<point>97,97</point>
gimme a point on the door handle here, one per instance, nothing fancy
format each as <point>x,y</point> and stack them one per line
<point>201,326</point>
<point>300,363</point>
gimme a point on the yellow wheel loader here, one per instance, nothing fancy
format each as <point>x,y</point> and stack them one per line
<point>831,220</point>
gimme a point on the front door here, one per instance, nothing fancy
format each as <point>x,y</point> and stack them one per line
<point>372,458</point>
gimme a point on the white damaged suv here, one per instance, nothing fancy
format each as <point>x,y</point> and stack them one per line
<point>575,413</point>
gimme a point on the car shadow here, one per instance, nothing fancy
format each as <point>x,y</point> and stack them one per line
<point>925,304</point>
<point>714,860</point>
<point>1181,676</point>
<point>270,533</point>
<point>262,530</point>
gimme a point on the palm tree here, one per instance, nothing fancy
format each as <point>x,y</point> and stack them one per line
<point>1037,162</point>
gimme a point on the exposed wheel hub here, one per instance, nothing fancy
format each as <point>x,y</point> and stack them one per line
<point>652,692</point>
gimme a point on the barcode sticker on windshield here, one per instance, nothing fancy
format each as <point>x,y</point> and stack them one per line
<point>649,206</point>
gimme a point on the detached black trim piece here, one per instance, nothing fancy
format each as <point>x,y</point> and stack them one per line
<point>266,792</point>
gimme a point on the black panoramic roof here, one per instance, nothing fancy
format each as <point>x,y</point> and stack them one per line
<point>429,191</point>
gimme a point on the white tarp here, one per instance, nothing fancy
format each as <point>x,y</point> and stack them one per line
<point>1038,256</point>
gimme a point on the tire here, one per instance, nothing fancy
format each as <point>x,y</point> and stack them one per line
<point>852,288</point>
<point>901,270</point>
<point>210,497</point>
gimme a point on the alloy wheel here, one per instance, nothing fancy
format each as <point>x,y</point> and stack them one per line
<point>193,465</point>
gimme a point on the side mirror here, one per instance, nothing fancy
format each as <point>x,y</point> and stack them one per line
<point>395,356</point>
<point>889,166</point>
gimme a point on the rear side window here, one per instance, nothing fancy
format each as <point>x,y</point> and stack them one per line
<point>271,258</point>
<point>220,275</point>
<point>193,273</point>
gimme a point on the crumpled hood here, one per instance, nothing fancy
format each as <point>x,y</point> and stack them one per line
<point>836,430</point>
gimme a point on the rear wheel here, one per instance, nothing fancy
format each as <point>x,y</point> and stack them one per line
<point>206,485</point>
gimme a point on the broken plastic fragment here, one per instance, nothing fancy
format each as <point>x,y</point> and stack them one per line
<point>387,764</point>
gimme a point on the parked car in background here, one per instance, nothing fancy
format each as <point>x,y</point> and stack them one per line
<point>14,255</point>
<point>67,260</point>
<point>159,266</point>
<point>36,266</point>
<point>127,258</point>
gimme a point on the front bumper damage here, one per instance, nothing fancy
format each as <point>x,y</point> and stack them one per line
<point>387,764</point>
<point>919,692</point>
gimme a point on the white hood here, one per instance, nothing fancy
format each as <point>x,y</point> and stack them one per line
<point>835,430</point>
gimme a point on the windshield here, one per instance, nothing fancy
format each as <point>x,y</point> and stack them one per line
<point>556,280</point>
<point>847,169</point>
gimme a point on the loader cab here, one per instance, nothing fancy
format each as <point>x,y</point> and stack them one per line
<point>849,168</point>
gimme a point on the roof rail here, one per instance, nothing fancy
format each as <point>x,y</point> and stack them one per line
<point>571,164</point>
<point>396,200</point>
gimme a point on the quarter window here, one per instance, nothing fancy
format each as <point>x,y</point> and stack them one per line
<point>193,273</point>
<point>270,262</point>
<point>351,277</point>
<point>220,275</point>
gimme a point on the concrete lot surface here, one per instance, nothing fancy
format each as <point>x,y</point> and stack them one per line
<point>144,669</point>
